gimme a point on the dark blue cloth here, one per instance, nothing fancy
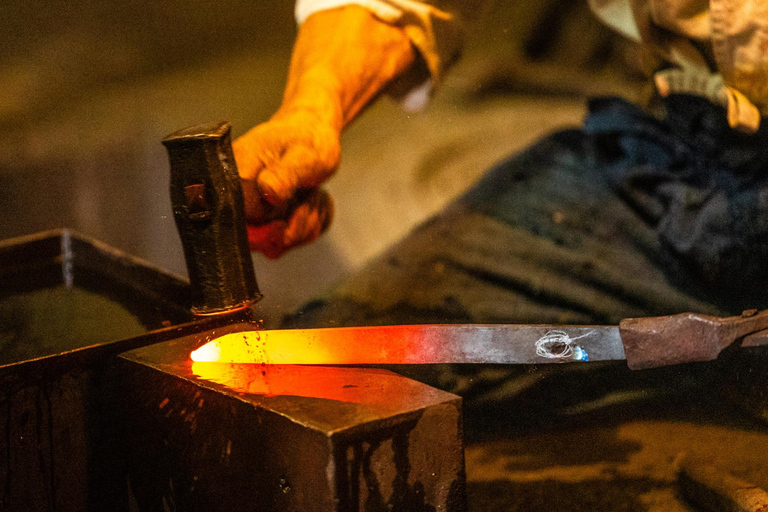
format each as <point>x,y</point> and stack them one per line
<point>631,216</point>
<point>702,185</point>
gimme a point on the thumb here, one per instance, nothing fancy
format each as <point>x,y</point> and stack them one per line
<point>299,168</point>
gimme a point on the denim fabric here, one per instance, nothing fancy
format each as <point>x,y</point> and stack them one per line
<point>702,186</point>
<point>630,216</point>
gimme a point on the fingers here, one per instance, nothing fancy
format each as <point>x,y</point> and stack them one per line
<point>307,221</point>
<point>282,163</point>
<point>297,168</point>
<point>300,166</point>
<point>247,151</point>
<point>286,155</point>
<point>280,181</point>
<point>268,238</point>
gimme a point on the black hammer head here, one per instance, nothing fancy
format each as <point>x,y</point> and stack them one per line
<point>208,207</point>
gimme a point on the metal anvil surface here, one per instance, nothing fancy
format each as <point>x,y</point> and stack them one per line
<point>212,436</point>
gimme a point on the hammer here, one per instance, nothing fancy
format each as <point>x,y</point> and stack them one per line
<point>208,207</point>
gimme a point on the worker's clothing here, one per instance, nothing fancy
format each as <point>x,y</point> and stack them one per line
<point>710,48</point>
<point>631,216</point>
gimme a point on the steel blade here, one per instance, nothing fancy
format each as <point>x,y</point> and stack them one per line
<point>417,344</point>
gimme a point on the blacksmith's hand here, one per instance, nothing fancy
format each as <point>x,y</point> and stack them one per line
<point>342,60</point>
<point>282,163</point>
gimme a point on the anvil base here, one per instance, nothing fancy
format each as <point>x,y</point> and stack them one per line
<point>213,436</point>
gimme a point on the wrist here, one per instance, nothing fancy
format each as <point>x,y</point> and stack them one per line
<point>317,97</point>
<point>343,59</point>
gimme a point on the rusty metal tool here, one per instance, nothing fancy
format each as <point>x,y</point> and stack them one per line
<point>209,211</point>
<point>643,342</point>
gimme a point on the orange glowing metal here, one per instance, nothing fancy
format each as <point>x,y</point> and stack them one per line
<point>416,344</point>
<point>312,346</point>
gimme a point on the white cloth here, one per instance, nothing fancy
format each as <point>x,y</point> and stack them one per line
<point>435,28</point>
<point>714,48</point>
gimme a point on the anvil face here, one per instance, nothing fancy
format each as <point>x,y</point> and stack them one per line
<point>214,436</point>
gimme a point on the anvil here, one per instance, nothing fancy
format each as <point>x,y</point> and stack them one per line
<point>231,437</point>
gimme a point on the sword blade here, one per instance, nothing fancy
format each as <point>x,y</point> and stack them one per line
<point>418,344</point>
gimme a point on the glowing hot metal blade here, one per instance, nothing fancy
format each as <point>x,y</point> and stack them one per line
<point>417,344</point>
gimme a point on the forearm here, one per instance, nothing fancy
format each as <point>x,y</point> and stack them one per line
<point>342,60</point>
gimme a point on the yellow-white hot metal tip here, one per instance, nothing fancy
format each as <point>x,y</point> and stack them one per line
<point>208,353</point>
